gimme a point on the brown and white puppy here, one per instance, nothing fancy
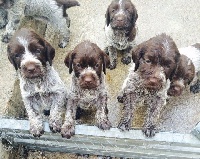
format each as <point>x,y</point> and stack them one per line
<point>87,63</point>
<point>51,12</point>
<point>183,76</point>
<point>41,87</point>
<point>120,30</point>
<point>193,52</point>
<point>148,81</point>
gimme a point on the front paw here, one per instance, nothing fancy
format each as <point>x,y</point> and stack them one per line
<point>126,60</point>
<point>120,99</point>
<point>125,124</point>
<point>149,131</point>
<point>112,65</point>
<point>195,88</point>
<point>36,128</point>
<point>55,125</point>
<point>104,125</point>
<point>64,41</point>
<point>68,130</point>
<point>6,38</point>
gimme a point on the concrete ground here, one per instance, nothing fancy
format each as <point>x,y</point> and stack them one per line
<point>177,18</point>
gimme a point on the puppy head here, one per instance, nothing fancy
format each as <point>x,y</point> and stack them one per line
<point>184,74</point>
<point>88,62</point>
<point>121,14</point>
<point>29,53</point>
<point>156,60</point>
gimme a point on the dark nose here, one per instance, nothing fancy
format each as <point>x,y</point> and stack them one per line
<point>120,18</point>
<point>88,79</point>
<point>30,68</point>
<point>153,81</point>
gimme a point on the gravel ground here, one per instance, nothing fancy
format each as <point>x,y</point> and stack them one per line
<point>177,18</point>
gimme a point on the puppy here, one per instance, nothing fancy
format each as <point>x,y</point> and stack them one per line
<point>183,76</point>
<point>87,63</point>
<point>49,11</point>
<point>41,87</point>
<point>148,81</point>
<point>120,30</point>
<point>193,52</point>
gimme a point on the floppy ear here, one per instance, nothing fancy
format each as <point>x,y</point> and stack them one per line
<point>137,55</point>
<point>178,59</point>
<point>107,15</point>
<point>106,61</point>
<point>10,58</point>
<point>134,17</point>
<point>68,61</point>
<point>49,52</point>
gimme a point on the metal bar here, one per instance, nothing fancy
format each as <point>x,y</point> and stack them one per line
<point>91,140</point>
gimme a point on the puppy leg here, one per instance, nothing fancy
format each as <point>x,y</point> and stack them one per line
<point>57,102</point>
<point>60,25</point>
<point>32,105</point>
<point>102,120</point>
<point>129,101</point>
<point>68,128</point>
<point>14,16</point>
<point>126,59</point>
<point>112,52</point>
<point>195,85</point>
<point>155,105</point>
<point>3,17</point>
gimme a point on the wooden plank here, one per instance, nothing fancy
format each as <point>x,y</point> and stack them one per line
<point>91,140</point>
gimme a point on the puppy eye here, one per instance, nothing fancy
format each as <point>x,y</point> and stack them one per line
<point>127,9</point>
<point>168,66</point>
<point>78,65</point>
<point>147,61</point>
<point>17,55</point>
<point>97,65</point>
<point>113,10</point>
<point>38,51</point>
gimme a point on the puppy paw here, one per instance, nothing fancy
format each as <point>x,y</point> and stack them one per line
<point>6,38</point>
<point>113,64</point>
<point>62,44</point>
<point>55,125</point>
<point>68,130</point>
<point>64,41</point>
<point>124,125</point>
<point>120,99</point>
<point>195,88</point>
<point>3,18</point>
<point>149,131</point>
<point>104,125</point>
<point>36,128</point>
<point>126,60</point>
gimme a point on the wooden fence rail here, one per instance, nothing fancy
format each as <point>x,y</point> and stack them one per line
<point>114,143</point>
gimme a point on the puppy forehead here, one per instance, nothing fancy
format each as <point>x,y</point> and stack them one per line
<point>87,50</point>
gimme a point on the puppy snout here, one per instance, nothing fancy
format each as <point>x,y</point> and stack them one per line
<point>175,91</point>
<point>120,18</point>
<point>88,79</point>
<point>154,81</point>
<point>30,68</point>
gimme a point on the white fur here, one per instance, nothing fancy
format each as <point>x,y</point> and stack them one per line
<point>87,98</point>
<point>119,41</point>
<point>192,53</point>
<point>121,11</point>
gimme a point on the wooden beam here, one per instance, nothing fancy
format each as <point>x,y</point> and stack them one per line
<point>91,140</point>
